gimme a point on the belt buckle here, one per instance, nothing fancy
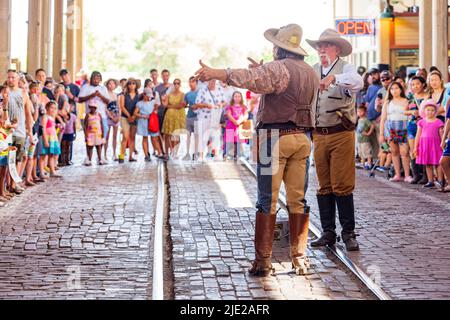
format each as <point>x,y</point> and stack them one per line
<point>325,131</point>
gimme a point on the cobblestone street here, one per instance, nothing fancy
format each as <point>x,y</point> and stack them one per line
<point>404,234</point>
<point>86,236</point>
<point>212,219</point>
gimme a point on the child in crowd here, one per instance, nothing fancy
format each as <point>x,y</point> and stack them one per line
<point>236,114</point>
<point>69,136</point>
<point>63,105</point>
<point>417,96</point>
<point>49,85</point>
<point>50,144</point>
<point>93,130</point>
<point>394,125</point>
<point>143,111</point>
<point>364,130</point>
<point>428,143</point>
<point>5,136</point>
<point>445,161</point>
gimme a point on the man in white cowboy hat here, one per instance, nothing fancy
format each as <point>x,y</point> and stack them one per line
<point>334,138</point>
<point>286,117</point>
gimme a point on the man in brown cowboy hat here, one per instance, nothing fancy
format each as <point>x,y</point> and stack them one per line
<point>334,138</point>
<point>285,119</point>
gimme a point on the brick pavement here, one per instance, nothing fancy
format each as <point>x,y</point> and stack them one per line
<point>95,222</point>
<point>212,221</point>
<point>404,234</point>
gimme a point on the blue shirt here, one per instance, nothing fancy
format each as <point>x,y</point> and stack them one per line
<point>444,102</point>
<point>448,113</point>
<point>190,99</point>
<point>371,97</point>
<point>74,90</point>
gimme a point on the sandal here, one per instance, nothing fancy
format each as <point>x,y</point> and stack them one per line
<point>8,195</point>
<point>396,179</point>
<point>132,160</point>
<point>30,184</point>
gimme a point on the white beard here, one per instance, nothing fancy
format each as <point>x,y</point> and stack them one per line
<point>328,60</point>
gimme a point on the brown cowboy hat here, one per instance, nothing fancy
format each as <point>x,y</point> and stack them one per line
<point>289,38</point>
<point>333,37</point>
<point>138,82</point>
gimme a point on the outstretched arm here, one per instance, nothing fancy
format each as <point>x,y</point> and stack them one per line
<point>269,78</point>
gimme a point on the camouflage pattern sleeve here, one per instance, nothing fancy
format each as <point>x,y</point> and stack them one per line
<point>270,78</point>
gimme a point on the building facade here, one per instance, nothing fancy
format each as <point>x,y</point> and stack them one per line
<point>415,35</point>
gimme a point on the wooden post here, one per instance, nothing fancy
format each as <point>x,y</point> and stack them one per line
<point>34,35</point>
<point>79,37</point>
<point>45,35</point>
<point>5,37</point>
<point>425,30</point>
<point>58,38</point>
<point>440,36</point>
<point>71,26</point>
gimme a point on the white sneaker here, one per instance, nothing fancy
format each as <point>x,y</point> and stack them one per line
<point>87,163</point>
<point>101,163</point>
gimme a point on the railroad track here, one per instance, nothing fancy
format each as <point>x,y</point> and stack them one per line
<point>348,263</point>
<point>159,240</point>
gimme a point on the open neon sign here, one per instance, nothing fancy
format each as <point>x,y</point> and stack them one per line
<point>355,28</point>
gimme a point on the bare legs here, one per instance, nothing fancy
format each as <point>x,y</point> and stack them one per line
<point>400,156</point>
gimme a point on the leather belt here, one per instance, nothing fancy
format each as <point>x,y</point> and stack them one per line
<point>284,132</point>
<point>331,130</point>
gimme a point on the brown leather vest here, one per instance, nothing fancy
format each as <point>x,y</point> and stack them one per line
<point>297,104</point>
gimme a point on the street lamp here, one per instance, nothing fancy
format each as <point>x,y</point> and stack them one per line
<point>388,12</point>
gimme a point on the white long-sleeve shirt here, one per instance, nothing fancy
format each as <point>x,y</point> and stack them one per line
<point>349,80</point>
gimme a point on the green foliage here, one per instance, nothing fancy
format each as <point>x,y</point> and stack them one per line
<point>178,54</point>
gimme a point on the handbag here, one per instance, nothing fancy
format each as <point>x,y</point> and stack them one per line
<point>216,113</point>
<point>246,130</point>
<point>153,123</point>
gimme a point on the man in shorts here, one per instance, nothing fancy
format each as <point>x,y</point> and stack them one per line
<point>19,112</point>
<point>191,118</point>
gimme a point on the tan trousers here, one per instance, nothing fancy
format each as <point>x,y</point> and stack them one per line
<point>287,161</point>
<point>334,157</point>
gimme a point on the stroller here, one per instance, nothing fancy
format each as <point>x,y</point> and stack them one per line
<point>387,150</point>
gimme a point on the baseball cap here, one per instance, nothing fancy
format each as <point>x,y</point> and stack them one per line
<point>386,75</point>
<point>63,72</point>
<point>373,70</point>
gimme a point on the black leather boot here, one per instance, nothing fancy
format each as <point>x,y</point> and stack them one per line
<point>346,210</point>
<point>351,244</point>
<point>327,207</point>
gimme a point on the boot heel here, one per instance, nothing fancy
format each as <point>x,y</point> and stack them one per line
<point>258,272</point>
<point>302,268</point>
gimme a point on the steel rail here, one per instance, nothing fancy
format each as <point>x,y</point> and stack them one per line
<point>158,236</point>
<point>360,274</point>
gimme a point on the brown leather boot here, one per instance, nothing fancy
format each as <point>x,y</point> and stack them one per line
<point>264,234</point>
<point>298,235</point>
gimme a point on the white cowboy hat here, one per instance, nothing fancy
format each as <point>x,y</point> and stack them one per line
<point>289,38</point>
<point>333,37</point>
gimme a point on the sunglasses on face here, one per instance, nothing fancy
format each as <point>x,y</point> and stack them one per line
<point>177,84</point>
<point>384,80</point>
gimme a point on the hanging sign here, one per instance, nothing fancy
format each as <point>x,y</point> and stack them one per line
<point>355,27</point>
